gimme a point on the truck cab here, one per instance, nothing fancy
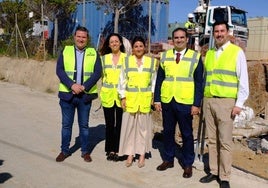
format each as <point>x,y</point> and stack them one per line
<point>235,17</point>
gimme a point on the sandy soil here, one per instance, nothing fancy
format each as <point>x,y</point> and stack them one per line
<point>249,160</point>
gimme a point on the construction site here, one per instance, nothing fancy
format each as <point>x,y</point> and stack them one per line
<point>250,136</point>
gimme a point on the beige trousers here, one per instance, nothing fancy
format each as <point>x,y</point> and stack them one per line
<point>217,113</point>
<point>136,134</point>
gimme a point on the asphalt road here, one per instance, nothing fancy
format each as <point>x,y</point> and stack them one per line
<point>30,142</point>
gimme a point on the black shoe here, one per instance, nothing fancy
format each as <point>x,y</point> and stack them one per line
<point>116,158</point>
<point>209,178</point>
<point>225,184</point>
<point>110,156</point>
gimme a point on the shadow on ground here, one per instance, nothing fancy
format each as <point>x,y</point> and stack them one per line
<point>4,176</point>
<point>96,135</point>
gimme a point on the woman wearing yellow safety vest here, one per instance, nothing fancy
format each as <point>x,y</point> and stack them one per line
<point>112,58</point>
<point>136,86</point>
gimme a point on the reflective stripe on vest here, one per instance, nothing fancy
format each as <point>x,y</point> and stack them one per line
<point>221,77</point>
<point>110,78</point>
<point>179,80</point>
<point>69,61</point>
<point>139,89</point>
<point>149,70</point>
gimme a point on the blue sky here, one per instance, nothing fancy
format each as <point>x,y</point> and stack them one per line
<point>178,9</point>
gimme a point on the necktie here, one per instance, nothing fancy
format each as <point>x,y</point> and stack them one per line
<point>178,57</point>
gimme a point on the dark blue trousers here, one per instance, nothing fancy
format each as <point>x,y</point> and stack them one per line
<point>174,113</point>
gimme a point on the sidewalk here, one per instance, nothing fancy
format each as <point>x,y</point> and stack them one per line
<point>30,124</point>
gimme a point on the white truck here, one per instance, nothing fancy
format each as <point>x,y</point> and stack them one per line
<point>40,28</point>
<point>206,15</point>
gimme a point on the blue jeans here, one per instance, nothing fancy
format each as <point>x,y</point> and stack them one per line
<point>68,112</point>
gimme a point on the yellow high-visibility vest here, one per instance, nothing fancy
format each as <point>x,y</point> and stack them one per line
<point>179,78</point>
<point>110,78</point>
<point>139,89</point>
<point>69,62</point>
<point>221,78</point>
<point>189,25</point>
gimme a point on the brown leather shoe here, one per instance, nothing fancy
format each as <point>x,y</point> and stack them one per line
<point>87,157</point>
<point>61,157</point>
<point>188,172</point>
<point>165,165</point>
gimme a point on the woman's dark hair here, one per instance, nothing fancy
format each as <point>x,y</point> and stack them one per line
<point>138,38</point>
<point>106,49</point>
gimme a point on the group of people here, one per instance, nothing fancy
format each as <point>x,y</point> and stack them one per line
<point>179,86</point>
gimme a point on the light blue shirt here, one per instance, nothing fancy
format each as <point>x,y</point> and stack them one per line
<point>79,65</point>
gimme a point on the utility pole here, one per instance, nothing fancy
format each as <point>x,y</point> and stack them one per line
<point>84,14</point>
<point>41,52</point>
<point>43,33</point>
<point>16,36</point>
<point>149,29</point>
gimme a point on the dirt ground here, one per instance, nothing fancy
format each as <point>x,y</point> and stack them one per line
<point>41,76</point>
<point>249,160</point>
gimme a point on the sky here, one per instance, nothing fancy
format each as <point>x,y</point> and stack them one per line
<point>178,9</point>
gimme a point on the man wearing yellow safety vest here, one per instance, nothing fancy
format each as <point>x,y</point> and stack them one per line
<point>178,95</point>
<point>190,25</point>
<point>225,93</point>
<point>78,69</point>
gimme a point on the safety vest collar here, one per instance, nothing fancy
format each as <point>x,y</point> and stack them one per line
<point>147,70</point>
<point>191,59</point>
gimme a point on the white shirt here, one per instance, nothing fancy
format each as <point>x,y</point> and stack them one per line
<point>242,75</point>
<point>181,52</point>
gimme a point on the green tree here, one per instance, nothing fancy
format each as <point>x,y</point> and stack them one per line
<point>9,11</point>
<point>117,7</point>
<point>55,10</point>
